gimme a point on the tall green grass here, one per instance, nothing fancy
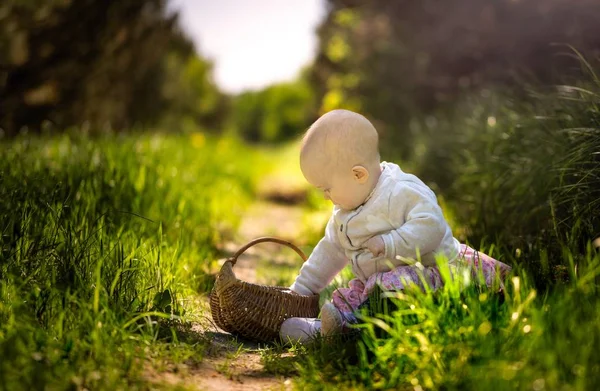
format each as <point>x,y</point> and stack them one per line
<point>100,240</point>
<point>523,173</point>
<point>464,337</point>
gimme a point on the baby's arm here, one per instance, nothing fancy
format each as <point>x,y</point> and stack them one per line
<point>326,260</point>
<point>424,224</point>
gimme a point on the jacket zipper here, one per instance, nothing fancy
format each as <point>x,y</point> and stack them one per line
<point>348,222</point>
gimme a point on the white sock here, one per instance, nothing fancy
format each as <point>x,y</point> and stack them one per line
<point>299,329</point>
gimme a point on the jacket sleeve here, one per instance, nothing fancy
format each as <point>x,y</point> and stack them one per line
<point>325,262</point>
<point>424,224</point>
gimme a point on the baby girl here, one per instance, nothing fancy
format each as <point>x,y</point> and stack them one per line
<point>383,221</point>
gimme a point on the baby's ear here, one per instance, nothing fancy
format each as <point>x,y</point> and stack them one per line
<point>360,174</point>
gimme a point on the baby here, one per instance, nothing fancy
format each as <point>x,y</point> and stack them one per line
<point>383,220</point>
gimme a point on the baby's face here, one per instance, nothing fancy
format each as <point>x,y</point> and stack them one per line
<point>341,188</point>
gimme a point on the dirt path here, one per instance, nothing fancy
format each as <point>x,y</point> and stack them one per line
<point>265,263</point>
<point>230,364</point>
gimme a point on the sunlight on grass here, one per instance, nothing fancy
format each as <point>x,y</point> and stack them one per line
<point>102,242</point>
<point>465,337</point>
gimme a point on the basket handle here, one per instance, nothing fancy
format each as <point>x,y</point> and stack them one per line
<point>251,243</point>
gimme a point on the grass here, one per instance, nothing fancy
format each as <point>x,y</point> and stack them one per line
<point>102,243</point>
<point>105,244</point>
<point>467,337</point>
<point>104,254</point>
<point>522,173</point>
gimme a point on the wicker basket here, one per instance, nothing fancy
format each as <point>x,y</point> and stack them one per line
<point>256,311</point>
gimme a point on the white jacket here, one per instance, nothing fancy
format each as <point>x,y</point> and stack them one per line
<point>403,210</point>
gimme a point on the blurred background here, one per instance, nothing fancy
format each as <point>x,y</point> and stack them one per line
<point>267,68</point>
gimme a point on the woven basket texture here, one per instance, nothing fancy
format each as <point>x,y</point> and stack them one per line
<point>256,311</point>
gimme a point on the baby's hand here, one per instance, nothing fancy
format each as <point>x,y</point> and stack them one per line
<point>376,246</point>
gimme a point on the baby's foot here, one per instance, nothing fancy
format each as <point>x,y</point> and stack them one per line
<point>333,321</point>
<point>301,330</point>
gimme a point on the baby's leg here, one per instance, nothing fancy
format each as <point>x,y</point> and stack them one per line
<point>335,316</point>
<point>334,321</point>
<point>403,276</point>
<point>338,315</point>
<point>347,300</point>
<point>482,265</point>
<point>299,329</point>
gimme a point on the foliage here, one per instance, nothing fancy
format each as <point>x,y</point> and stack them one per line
<point>522,173</point>
<point>275,114</point>
<point>100,240</point>
<point>93,62</point>
<point>191,95</point>
<point>394,60</point>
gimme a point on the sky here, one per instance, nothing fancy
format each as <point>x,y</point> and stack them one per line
<point>253,43</point>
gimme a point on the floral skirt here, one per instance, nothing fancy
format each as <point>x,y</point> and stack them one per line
<point>349,299</point>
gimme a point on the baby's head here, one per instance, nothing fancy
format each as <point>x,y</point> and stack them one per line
<point>340,156</point>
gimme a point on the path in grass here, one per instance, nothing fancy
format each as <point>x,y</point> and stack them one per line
<point>278,211</point>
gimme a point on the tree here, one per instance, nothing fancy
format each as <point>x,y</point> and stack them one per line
<point>191,93</point>
<point>86,61</point>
